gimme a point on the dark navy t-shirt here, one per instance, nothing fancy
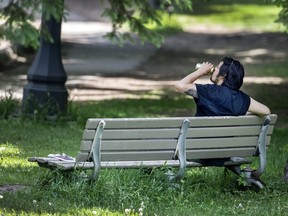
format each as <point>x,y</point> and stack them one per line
<point>217,100</point>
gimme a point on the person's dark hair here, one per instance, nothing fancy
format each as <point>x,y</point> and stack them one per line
<point>233,71</point>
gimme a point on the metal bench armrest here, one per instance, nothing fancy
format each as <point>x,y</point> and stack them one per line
<point>180,152</point>
<point>95,152</point>
<point>262,145</point>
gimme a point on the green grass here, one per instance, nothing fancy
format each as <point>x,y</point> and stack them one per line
<point>270,69</point>
<point>209,191</point>
<point>238,16</point>
<point>234,15</point>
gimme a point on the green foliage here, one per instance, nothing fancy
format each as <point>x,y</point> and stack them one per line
<point>170,24</point>
<point>18,27</point>
<point>38,111</point>
<point>8,105</point>
<point>49,110</point>
<point>138,14</point>
<point>19,16</point>
<point>283,14</point>
<point>53,9</point>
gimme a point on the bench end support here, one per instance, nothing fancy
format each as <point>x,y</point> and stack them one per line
<point>96,150</point>
<point>262,145</point>
<point>180,152</point>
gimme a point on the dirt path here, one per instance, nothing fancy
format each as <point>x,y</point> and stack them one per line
<point>99,70</point>
<point>180,52</point>
<point>159,68</point>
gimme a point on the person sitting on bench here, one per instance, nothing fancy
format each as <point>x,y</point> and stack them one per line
<point>223,97</point>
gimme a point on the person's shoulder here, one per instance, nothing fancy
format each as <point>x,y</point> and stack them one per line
<point>240,92</point>
<point>208,88</point>
<point>208,85</point>
<point>228,90</point>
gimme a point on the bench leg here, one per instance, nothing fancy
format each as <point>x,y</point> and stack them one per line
<point>248,174</point>
<point>252,178</point>
<point>180,152</point>
<point>95,150</point>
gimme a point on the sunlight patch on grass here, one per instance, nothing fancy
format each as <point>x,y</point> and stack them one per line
<point>169,24</point>
<point>236,17</point>
<point>9,150</point>
<point>11,157</point>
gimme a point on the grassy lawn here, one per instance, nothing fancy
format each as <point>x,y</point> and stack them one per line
<point>211,191</point>
<point>249,16</point>
<point>203,191</point>
<point>235,15</point>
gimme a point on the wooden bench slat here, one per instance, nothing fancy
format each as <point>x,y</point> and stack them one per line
<point>221,132</point>
<point>132,144</point>
<point>220,153</point>
<point>140,155</point>
<point>137,123</point>
<point>171,144</point>
<point>177,121</point>
<point>223,142</point>
<point>173,133</point>
<point>134,134</point>
<point>82,156</point>
<point>167,155</point>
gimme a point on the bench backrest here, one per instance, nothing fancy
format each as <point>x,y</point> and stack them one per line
<point>156,138</point>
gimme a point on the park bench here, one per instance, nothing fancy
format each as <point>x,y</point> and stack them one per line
<point>177,142</point>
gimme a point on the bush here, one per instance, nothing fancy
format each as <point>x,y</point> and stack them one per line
<point>8,105</point>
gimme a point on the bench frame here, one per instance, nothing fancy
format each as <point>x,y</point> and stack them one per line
<point>179,160</point>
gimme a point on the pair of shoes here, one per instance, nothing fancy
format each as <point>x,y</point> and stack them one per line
<point>286,172</point>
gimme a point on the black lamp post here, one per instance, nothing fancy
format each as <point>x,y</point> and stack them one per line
<point>46,77</point>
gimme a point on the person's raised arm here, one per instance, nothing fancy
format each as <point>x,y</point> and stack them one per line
<point>258,108</point>
<point>187,83</point>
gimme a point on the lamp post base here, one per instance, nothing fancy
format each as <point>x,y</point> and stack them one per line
<point>45,97</point>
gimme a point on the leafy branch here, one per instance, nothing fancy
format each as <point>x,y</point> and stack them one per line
<point>137,15</point>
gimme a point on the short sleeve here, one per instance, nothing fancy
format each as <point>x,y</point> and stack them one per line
<point>216,100</point>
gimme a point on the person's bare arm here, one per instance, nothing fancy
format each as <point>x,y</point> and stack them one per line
<point>258,108</point>
<point>187,85</point>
